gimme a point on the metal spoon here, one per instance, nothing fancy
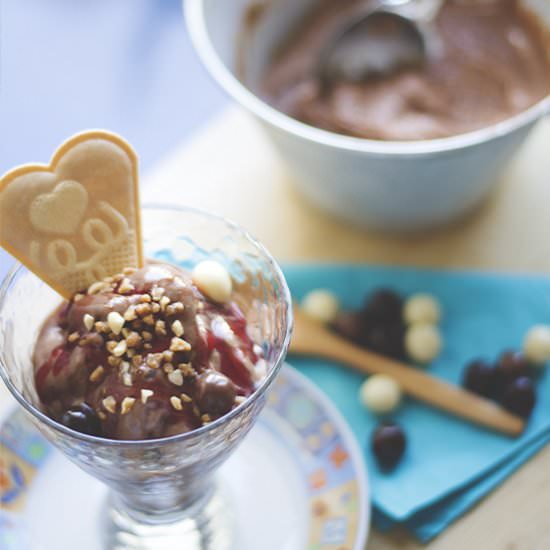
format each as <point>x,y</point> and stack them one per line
<point>391,35</point>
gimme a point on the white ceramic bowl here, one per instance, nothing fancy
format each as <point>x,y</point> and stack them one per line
<point>388,185</point>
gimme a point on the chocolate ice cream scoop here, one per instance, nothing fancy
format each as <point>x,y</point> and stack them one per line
<point>143,355</point>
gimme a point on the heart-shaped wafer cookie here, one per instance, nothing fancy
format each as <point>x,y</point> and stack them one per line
<point>77,220</point>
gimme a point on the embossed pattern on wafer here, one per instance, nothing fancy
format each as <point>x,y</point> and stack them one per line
<point>76,221</point>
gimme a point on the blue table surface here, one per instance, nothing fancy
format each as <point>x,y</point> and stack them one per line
<point>124,65</point>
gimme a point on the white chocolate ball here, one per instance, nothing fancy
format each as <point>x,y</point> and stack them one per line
<point>380,394</point>
<point>536,345</point>
<point>213,280</point>
<point>423,342</point>
<point>321,304</point>
<point>421,308</point>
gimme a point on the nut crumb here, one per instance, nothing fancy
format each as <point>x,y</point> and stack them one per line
<point>157,293</point>
<point>125,286</point>
<point>186,398</point>
<point>149,320</point>
<point>115,321</point>
<point>176,377</point>
<point>145,394</point>
<point>164,301</point>
<point>126,405</point>
<point>178,344</point>
<point>130,314</point>
<point>145,298</point>
<point>73,337</point>
<point>174,308</point>
<point>97,374</point>
<point>160,328</point>
<point>206,418</point>
<point>88,321</point>
<point>96,288</point>
<point>120,349</point>
<point>114,361</point>
<point>177,327</point>
<point>176,403</point>
<point>110,404</point>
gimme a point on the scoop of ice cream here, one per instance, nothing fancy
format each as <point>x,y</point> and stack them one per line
<point>145,354</point>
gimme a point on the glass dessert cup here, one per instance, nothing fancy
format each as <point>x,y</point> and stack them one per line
<point>163,492</point>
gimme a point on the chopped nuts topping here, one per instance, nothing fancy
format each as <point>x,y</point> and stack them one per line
<point>114,361</point>
<point>153,360</point>
<point>149,320</point>
<point>137,360</point>
<point>88,321</point>
<point>110,404</point>
<point>185,398</point>
<point>168,355</point>
<point>177,328</point>
<point>164,301</point>
<point>130,314</point>
<point>143,309</point>
<point>145,394</point>
<point>78,297</point>
<point>206,418</point>
<point>145,298</point>
<point>168,368</point>
<point>178,344</point>
<point>176,377</point>
<point>101,327</point>
<point>120,349</point>
<point>97,374</point>
<point>96,288</point>
<point>115,321</point>
<point>133,339</point>
<point>155,308</point>
<point>126,405</point>
<point>102,415</point>
<point>157,292</point>
<point>176,403</point>
<point>173,309</point>
<point>187,370</point>
<point>125,286</point>
<point>240,399</point>
<point>127,379</point>
<point>73,337</point>
<point>129,270</point>
<point>160,328</point>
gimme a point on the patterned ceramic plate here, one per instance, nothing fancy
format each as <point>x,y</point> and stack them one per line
<point>297,482</point>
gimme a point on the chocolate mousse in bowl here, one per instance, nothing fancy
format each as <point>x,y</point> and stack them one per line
<point>149,378</point>
<point>406,151</point>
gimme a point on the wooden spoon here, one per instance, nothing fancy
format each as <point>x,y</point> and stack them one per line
<point>314,339</point>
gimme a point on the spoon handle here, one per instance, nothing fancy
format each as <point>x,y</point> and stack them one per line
<point>313,339</point>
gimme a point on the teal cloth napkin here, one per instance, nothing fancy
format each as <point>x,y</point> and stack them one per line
<point>449,464</point>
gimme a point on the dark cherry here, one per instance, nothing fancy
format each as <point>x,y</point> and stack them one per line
<point>388,444</point>
<point>215,393</point>
<point>479,377</point>
<point>520,397</point>
<point>386,339</point>
<point>384,305</point>
<point>83,419</point>
<point>510,366</point>
<point>349,324</point>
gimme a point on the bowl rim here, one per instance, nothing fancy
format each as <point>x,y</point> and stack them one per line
<point>43,418</point>
<point>194,11</point>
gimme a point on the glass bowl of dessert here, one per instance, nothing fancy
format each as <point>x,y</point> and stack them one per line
<point>150,378</point>
<point>407,152</point>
